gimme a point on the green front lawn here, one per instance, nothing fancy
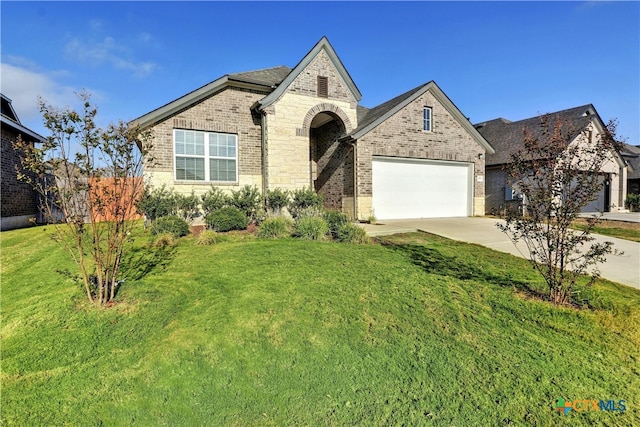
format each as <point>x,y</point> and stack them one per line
<point>419,330</point>
<point>619,229</point>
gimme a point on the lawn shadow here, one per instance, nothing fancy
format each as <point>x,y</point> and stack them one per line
<point>433,261</point>
<point>140,261</point>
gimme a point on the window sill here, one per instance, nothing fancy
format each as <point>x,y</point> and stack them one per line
<point>207,183</point>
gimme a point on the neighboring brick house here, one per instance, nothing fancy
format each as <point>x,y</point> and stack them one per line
<point>414,156</point>
<point>19,200</point>
<point>507,138</point>
<point>631,154</point>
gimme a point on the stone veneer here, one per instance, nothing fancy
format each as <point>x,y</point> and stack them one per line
<point>289,118</point>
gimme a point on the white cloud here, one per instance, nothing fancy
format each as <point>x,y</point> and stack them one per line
<point>107,52</point>
<point>24,85</point>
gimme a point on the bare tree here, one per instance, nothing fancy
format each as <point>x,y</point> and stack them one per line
<point>89,180</point>
<point>558,172</point>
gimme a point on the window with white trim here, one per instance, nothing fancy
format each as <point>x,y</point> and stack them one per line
<point>427,119</point>
<point>205,156</point>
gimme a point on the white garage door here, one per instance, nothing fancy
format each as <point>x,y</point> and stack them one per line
<point>407,188</point>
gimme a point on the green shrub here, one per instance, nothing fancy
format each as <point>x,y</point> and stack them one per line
<point>188,206</point>
<point>213,200</point>
<point>164,240</point>
<point>226,219</point>
<point>351,233</point>
<point>171,224</point>
<point>305,202</point>
<point>275,227</point>
<point>157,203</point>
<point>335,219</point>
<point>632,202</point>
<point>277,199</point>
<point>248,200</point>
<point>207,237</point>
<point>312,228</point>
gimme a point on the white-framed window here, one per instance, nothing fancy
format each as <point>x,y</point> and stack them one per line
<point>205,156</point>
<point>427,119</point>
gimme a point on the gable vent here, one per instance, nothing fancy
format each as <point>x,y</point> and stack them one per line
<point>323,87</point>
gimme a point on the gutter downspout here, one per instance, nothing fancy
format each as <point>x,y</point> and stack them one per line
<point>265,151</point>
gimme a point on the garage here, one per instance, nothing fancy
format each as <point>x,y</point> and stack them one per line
<point>411,188</point>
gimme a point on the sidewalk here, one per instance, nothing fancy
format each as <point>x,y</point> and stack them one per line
<point>623,268</point>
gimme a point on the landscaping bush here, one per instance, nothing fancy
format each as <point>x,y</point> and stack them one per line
<point>187,206</point>
<point>305,202</point>
<point>171,224</point>
<point>226,219</point>
<point>207,237</point>
<point>164,240</point>
<point>632,202</point>
<point>248,200</point>
<point>351,233</point>
<point>277,199</point>
<point>157,203</point>
<point>335,220</point>
<point>213,200</point>
<point>275,227</point>
<point>312,228</point>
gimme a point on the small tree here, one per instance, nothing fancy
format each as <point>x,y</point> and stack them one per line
<point>92,177</point>
<point>558,175</point>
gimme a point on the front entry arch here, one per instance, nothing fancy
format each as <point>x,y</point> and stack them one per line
<point>331,171</point>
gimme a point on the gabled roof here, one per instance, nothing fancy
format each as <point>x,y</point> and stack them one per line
<point>322,44</point>
<point>507,137</point>
<point>369,119</point>
<point>265,79</point>
<point>9,118</point>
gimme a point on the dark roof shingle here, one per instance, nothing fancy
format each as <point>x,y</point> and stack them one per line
<point>266,77</point>
<point>507,137</point>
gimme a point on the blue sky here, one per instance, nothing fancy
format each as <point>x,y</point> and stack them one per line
<point>493,59</point>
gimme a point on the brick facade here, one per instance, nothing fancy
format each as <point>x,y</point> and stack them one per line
<point>288,136</point>
<point>401,135</point>
<point>18,198</point>
<point>227,111</point>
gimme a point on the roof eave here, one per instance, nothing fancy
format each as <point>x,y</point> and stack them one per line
<point>444,101</point>
<point>35,137</point>
<point>191,98</point>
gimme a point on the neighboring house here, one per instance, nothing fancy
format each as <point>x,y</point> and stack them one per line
<point>631,154</point>
<point>507,138</point>
<point>19,199</point>
<point>414,156</point>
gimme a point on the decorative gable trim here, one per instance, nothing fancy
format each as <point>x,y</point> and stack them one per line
<point>342,71</point>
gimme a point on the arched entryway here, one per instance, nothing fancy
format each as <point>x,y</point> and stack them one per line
<point>331,171</point>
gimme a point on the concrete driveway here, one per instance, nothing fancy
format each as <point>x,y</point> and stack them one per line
<point>623,268</point>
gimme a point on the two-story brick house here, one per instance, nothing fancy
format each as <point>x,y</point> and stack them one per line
<point>413,156</point>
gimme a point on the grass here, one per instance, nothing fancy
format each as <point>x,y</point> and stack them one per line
<point>619,229</point>
<point>418,330</point>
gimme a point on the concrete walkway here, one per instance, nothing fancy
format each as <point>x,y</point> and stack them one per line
<point>623,268</point>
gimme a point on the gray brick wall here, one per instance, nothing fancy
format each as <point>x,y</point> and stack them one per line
<point>18,198</point>
<point>402,136</point>
<point>228,110</point>
<point>334,164</point>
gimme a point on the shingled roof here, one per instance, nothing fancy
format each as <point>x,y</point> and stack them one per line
<point>631,154</point>
<point>267,77</point>
<point>507,137</point>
